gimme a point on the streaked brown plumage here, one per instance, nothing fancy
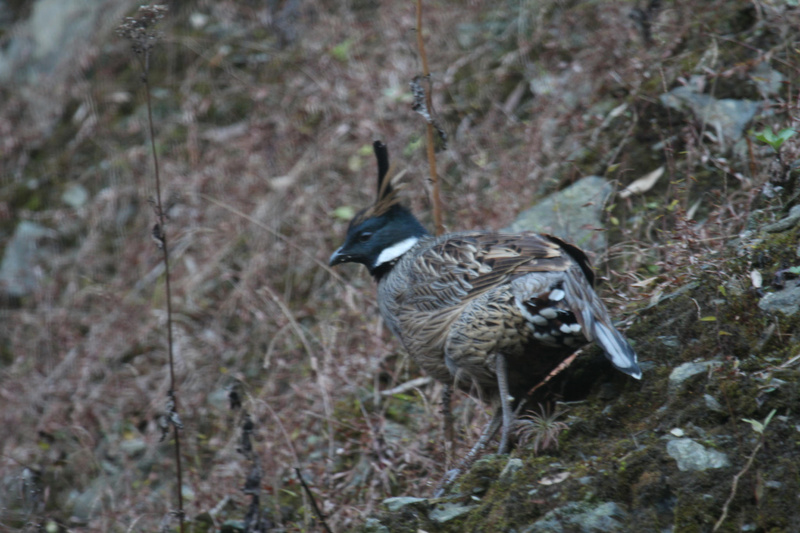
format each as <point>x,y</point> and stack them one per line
<point>491,312</point>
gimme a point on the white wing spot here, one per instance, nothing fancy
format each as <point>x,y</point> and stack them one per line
<point>539,320</point>
<point>549,313</point>
<point>557,295</point>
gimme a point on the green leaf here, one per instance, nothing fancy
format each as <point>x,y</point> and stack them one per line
<point>785,134</point>
<point>769,417</point>
<point>795,270</point>
<point>708,319</point>
<point>341,51</point>
<point>758,427</point>
<point>766,136</point>
<point>344,212</point>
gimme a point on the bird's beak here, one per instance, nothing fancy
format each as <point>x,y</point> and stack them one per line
<point>338,257</point>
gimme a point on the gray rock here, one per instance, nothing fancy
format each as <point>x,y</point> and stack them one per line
<point>447,511</point>
<point>397,503</point>
<point>6,15</point>
<point>786,223</point>
<point>219,398</point>
<point>75,196</point>
<point>91,502</point>
<point>728,117</point>
<point>570,214</point>
<point>693,456</point>
<point>55,31</point>
<point>232,526</point>
<point>133,447</point>
<point>373,525</point>
<point>512,467</point>
<point>713,404</point>
<point>670,341</point>
<point>683,372</point>
<point>41,52</point>
<point>17,270</point>
<point>786,300</point>
<point>583,517</point>
<point>767,80</point>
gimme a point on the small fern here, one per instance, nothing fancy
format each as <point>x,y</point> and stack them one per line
<point>541,429</point>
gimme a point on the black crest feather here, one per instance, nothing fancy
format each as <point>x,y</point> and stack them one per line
<point>387,191</point>
<point>382,154</point>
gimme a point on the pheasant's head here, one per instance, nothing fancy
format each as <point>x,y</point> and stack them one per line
<point>380,234</point>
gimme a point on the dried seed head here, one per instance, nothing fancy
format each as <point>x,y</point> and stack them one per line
<point>140,30</point>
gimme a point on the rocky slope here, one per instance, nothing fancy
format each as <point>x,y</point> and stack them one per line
<point>658,114</point>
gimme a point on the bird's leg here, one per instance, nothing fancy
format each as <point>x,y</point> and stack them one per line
<point>487,434</point>
<point>504,416</point>
<point>449,433</point>
<point>505,402</point>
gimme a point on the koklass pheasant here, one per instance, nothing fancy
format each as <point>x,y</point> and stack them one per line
<point>492,312</point>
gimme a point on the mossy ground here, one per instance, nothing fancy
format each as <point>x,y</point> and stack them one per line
<point>615,447</point>
<point>271,113</point>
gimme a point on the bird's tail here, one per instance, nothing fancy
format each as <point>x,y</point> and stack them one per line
<point>617,348</point>
<point>592,314</point>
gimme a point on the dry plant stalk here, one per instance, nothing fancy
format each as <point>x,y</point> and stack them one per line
<point>143,36</point>
<point>426,74</point>
<point>760,428</point>
<point>424,106</point>
<point>313,500</point>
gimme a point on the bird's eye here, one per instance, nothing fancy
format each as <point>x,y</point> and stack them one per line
<point>365,236</point>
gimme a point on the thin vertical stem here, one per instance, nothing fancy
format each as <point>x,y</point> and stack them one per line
<point>437,203</point>
<point>165,250</point>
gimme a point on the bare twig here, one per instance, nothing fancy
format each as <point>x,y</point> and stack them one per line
<point>313,500</point>
<point>736,478</point>
<point>557,370</point>
<point>437,202</point>
<point>760,428</point>
<point>407,386</point>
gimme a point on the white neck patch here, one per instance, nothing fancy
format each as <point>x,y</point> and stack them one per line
<point>396,250</point>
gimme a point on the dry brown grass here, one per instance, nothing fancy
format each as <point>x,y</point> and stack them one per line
<point>257,154</point>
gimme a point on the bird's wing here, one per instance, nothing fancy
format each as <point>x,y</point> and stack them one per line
<point>454,270</point>
<point>546,276</point>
